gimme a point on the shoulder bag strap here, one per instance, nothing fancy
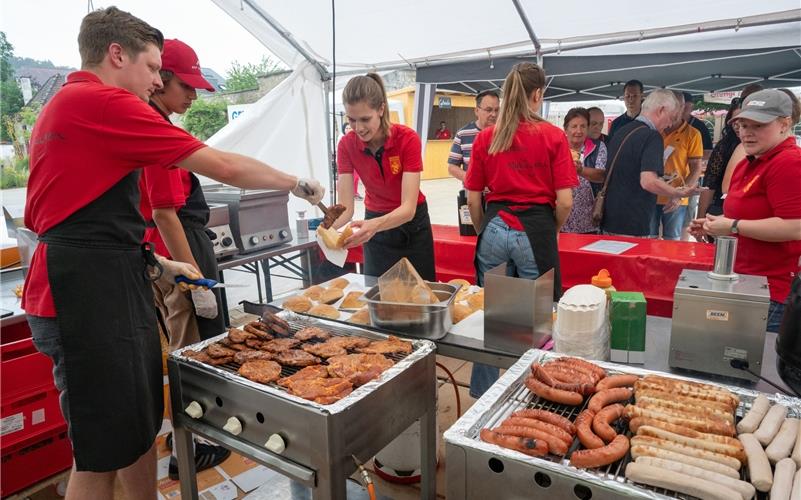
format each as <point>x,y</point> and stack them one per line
<point>614,160</point>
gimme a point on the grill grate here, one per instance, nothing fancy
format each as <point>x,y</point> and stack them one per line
<point>298,324</point>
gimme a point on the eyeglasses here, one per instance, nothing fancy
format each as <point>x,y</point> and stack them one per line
<point>489,110</point>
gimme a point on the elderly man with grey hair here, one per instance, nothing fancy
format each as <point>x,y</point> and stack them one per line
<point>634,173</point>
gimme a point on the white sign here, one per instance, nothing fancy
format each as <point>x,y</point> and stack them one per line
<point>236,110</point>
<point>721,97</point>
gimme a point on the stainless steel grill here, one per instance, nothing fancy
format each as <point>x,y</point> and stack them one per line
<point>317,440</point>
<point>479,470</point>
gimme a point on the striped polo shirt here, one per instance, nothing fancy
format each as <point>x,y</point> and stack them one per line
<point>463,145</point>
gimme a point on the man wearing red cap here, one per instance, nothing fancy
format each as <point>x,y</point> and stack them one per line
<point>176,214</point>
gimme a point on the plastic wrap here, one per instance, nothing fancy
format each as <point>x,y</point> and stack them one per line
<point>402,284</point>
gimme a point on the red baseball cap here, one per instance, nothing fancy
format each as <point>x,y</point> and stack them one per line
<point>179,58</point>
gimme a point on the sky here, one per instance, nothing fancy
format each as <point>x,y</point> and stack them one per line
<point>48,29</point>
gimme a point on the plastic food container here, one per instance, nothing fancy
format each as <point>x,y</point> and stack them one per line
<point>427,321</point>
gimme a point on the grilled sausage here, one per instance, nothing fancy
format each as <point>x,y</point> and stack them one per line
<point>567,375</point>
<point>747,490</point>
<point>783,480</point>
<point>551,429</point>
<point>687,450</point>
<point>637,422</point>
<point>553,394</point>
<point>532,447</point>
<point>696,423</point>
<point>661,395</point>
<point>724,449</point>
<point>599,457</point>
<point>601,423</point>
<point>555,445</point>
<point>587,438</point>
<point>689,390</point>
<point>594,371</point>
<point>609,396</point>
<point>547,416</point>
<point>544,376</point>
<point>698,408</point>
<point>676,481</point>
<point>639,450</point>
<point>782,444</point>
<point>752,419</point>
<point>771,424</point>
<point>758,465</point>
<point>613,381</point>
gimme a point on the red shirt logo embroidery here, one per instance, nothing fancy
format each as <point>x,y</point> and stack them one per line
<point>394,165</point>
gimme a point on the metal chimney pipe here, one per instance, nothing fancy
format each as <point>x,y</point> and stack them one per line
<point>725,254</point>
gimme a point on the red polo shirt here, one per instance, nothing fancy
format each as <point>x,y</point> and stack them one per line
<point>382,180</point>
<point>537,164</point>
<point>162,188</point>
<point>87,139</point>
<point>764,187</point>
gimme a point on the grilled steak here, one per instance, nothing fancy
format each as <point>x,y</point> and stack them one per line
<point>245,356</point>
<point>279,345</point>
<point>334,211</point>
<point>217,350</point>
<point>325,350</point>
<point>350,342</point>
<point>391,345</point>
<point>358,368</point>
<point>296,357</point>
<point>314,371</point>
<point>261,370</point>
<point>322,390</point>
<point>255,328</point>
<point>312,332</point>
<point>238,336</point>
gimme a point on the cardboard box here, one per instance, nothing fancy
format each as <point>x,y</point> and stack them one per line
<point>627,316</point>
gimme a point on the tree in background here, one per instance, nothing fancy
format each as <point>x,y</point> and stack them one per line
<point>10,94</point>
<point>245,76</point>
<point>205,118</point>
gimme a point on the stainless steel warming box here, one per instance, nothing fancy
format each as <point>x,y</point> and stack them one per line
<point>317,440</point>
<point>219,224</point>
<point>480,471</point>
<point>259,218</point>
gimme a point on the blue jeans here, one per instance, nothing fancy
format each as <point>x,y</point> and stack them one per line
<point>500,244</point>
<point>672,222</point>
<point>775,313</point>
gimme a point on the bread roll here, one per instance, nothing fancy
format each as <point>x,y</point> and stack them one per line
<point>314,292</point>
<point>360,317</point>
<point>460,312</point>
<point>298,303</point>
<point>331,295</point>
<point>339,283</point>
<point>352,301</point>
<point>476,301</point>
<point>460,282</point>
<point>325,311</point>
<point>332,238</point>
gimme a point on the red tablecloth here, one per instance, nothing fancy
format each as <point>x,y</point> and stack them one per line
<point>652,267</point>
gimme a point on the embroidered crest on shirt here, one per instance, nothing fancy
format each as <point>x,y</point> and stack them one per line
<point>394,165</point>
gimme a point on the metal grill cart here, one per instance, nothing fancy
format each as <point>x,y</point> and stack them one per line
<point>479,470</point>
<point>308,442</point>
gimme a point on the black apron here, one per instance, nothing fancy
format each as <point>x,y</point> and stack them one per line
<point>413,240</point>
<point>539,224</point>
<point>194,216</point>
<point>107,321</point>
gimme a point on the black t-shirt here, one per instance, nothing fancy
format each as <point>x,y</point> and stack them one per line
<point>628,207</point>
<point>701,127</point>
<point>618,123</point>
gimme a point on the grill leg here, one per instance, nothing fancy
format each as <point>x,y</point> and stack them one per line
<point>182,441</point>
<point>331,485</point>
<point>428,448</point>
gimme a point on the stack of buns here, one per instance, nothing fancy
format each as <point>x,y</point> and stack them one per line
<point>468,300</point>
<point>333,239</point>
<point>317,299</point>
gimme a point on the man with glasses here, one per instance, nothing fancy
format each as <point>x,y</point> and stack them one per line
<point>488,104</point>
<point>632,97</point>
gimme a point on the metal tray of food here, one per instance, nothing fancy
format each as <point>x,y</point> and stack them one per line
<point>510,394</point>
<point>428,321</point>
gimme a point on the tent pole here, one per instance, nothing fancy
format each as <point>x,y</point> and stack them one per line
<point>527,24</point>
<point>286,35</point>
<point>330,135</point>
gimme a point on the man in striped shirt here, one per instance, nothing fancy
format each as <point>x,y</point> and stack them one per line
<point>488,104</point>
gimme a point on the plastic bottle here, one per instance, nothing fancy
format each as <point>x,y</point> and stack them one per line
<point>603,281</point>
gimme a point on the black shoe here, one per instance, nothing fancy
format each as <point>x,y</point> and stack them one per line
<point>206,456</point>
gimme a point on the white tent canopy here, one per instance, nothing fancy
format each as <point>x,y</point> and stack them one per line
<point>378,35</point>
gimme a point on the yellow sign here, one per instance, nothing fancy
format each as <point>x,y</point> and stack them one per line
<point>395,164</point>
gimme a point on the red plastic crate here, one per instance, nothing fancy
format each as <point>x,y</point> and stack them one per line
<point>34,460</point>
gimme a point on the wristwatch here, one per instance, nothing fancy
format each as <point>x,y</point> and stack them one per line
<point>734,229</point>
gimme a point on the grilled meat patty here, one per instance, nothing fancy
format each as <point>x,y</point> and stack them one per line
<point>296,357</point>
<point>325,350</point>
<point>310,333</point>
<point>243,357</point>
<point>358,368</point>
<point>314,371</point>
<point>261,370</point>
<point>279,345</point>
<point>390,346</point>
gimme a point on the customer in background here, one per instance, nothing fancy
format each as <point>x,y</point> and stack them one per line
<point>739,152</point>
<point>590,159</point>
<point>443,133</point>
<point>763,206</point>
<point>526,165</point>
<point>596,128</point>
<point>635,169</point>
<point>176,214</point>
<point>487,107</point>
<point>697,124</point>
<point>632,98</point>
<point>387,156</point>
<point>683,161</point>
<point>711,201</point>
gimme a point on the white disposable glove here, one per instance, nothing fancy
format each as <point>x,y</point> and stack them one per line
<point>310,190</point>
<point>205,303</point>
<point>173,269</point>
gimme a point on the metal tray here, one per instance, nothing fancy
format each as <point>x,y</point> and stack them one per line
<point>428,321</point>
<point>477,469</point>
